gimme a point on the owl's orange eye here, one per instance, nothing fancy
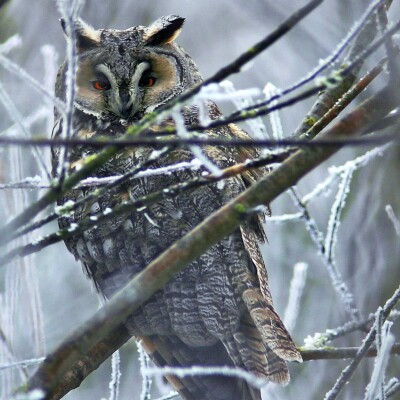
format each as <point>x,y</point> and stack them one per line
<point>147,81</point>
<point>101,84</point>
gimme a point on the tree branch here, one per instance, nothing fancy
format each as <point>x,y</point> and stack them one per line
<point>52,195</point>
<point>196,242</point>
<point>341,353</point>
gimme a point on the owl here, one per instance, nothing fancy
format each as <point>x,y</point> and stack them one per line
<point>218,311</point>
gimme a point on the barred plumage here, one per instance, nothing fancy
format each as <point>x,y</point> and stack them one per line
<point>218,311</point>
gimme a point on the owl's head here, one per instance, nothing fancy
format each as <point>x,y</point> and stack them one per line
<point>128,73</point>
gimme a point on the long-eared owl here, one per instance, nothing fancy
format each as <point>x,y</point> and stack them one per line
<point>218,311</point>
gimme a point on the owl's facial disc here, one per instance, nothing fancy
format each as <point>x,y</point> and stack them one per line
<point>124,97</point>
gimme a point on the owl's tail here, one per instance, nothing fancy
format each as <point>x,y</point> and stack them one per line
<point>171,351</point>
<point>271,330</point>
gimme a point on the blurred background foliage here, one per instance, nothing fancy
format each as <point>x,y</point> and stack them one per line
<point>215,32</point>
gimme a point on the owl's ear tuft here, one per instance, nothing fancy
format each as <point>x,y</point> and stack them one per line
<point>86,36</point>
<point>164,30</point>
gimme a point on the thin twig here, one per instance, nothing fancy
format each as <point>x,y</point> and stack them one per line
<point>24,130</point>
<point>128,206</point>
<point>336,277</point>
<point>69,13</point>
<point>201,141</point>
<point>21,73</point>
<point>236,65</point>
<point>348,372</point>
<point>341,353</point>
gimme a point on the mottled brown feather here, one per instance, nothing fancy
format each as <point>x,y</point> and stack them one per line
<point>218,311</point>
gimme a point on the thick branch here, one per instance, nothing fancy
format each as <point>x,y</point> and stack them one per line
<point>104,349</point>
<point>327,99</point>
<point>196,242</point>
<point>341,353</point>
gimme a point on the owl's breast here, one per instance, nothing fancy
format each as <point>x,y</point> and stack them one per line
<point>113,252</point>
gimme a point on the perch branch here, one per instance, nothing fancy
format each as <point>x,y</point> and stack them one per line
<point>196,242</point>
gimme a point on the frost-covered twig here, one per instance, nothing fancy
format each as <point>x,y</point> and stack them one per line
<point>392,387</point>
<point>295,293</point>
<point>24,363</point>
<point>357,54</point>
<point>115,376</point>
<point>371,48</point>
<point>336,278</point>
<point>197,152</point>
<point>393,219</point>
<point>352,326</point>
<point>36,116</point>
<point>390,47</point>
<point>103,156</point>
<point>251,379</point>
<point>336,211</point>
<point>147,381</point>
<point>376,387</point>
<point>324,64</point>
<point>333,57</point>
<point>336,171</point>
<point>22,74</point>
<point>375,102</point>
<point>270,91</point>
<point>333,109</point>
<point>128,206</point>
<point>50,62</point>
<point>35,394</point>
<point>71,206</point>
<point>21,280</point>
<point>171,191</point>
<point>10,44</point>
<point>171,396</point>
<point>348,372</point>
<point>36,182</point>
<point>236,65</point>
<point>256,125</point>
<point>280,219</point>
<point>69,12</point>
<point>12,110</point>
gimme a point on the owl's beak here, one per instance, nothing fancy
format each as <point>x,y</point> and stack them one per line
<point>126,111</point>
<point>126,105</point>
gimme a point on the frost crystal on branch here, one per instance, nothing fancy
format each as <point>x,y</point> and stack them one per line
<point>115,376</point>
<point>196,150</point>
<point>376,386</point>
<point>271,91</point>
<point>243,99</point>
<point>295,293</point>
<point>197,370</point>
<point>147,382</point>
<point>393,218</point>
<point>10,44</point>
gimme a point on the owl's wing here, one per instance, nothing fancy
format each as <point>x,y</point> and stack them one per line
<point>258,300</point>
<point>257,297</point>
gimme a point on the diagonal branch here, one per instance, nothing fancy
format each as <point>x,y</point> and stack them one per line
<point>53,194</point>
<point>196,242</point>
